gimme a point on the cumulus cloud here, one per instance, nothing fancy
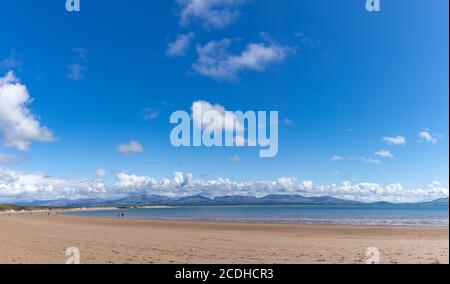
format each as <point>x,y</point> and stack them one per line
<point>373,192</point>
<point>183,184</point>
<point>133,147</point>
<point>15,186</point>
<point>180,46</point>
<point>429,137</point>
<point>384,154</point>
<point>18,124</point>
<point>307,185</point>
<point>397,140</point>
<point>213,116</point>
<point>210,13</point>
<point>205,114</point>
<point>215,61</point>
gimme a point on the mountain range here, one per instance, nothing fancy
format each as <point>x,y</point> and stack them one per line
<point>199,200</point>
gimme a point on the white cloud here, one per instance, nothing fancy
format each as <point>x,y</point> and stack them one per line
<point>310,41</point>
<point>205,114</point>
<point>236,159</point>
<point>336,158</point>
<point>428,137</point>
<point>100,173</point>
<point>12,62</point>
<point>133,147</point>
<point>17,123</point>
<point>150,114</point>
<point>79,53</point>
<point>184,185</point>
<point>132,181</point>
<point>210,13</point>
<point>180,46</point>
<point>75,72</point>
<point>397,140</point>
<point>373,192</point>
<point>288,122</point>
<point>367,160</point>
<point>308,184</point>
<point>435,183</point>
<point>214,60</point>
<point>7,159</point>
<point>15,186</point>
<point>76,69</point>
<point>128,184</point>
<point>384,154</point>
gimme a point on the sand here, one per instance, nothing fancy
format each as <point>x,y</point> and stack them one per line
<point>40,238</point>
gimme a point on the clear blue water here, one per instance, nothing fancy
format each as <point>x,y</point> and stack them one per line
<point>354,215</point>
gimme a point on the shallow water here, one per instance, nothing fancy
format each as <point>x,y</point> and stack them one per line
<point>354,215</point>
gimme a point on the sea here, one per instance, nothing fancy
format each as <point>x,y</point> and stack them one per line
<point>392,215</point>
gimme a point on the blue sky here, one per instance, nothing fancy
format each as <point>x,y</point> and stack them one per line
<point>343,80</point>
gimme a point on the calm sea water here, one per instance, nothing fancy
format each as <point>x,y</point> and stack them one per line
<point>354,215</point>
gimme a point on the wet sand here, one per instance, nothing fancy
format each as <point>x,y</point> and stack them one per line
<point>40,238</point>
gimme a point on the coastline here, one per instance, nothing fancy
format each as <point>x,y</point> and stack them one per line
<point>209,214</point>
<point>41,238</point>
<point>79,209</point>
<point>339,222</point>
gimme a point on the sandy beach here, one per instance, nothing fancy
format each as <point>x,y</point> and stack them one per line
<point>41,238</point>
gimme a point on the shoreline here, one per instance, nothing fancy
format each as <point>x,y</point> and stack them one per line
<point>280,222</point>
<point>80,209</point>
<point>68,212</point>
<point>41,238</point>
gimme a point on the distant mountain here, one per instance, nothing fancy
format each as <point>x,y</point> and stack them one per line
<point>199,200</point>
<point>236,200</point>
<point>196,200</point>
<point>140,200</point>
<point>280,200</point>
<point>437,202</point>
<point>442,202</point>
